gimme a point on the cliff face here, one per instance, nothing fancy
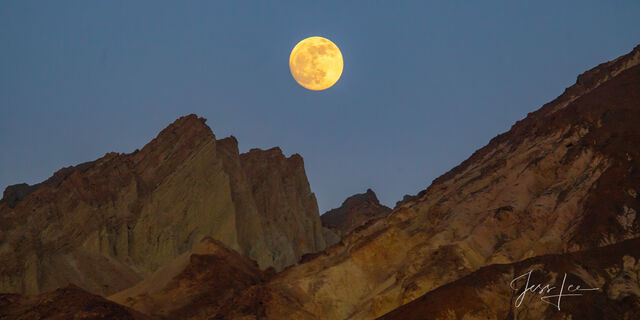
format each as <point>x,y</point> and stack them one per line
<point>285,203</point>
<point>564,179</point>
<point>355,211</point>
<point>107,224</point>
<point>558,193</point>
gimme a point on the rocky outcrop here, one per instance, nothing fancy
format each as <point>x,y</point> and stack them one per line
<point>558,193</point>
<point>330,236</point>
<point>562,180</point>
<point>354,212</point>
<point>14,193</point>
<point>107,224</point>
<point>611,274</point>
<point>285,203</point>
<point>70,302</point>
<point>17,192</point>
<point>196,284</point>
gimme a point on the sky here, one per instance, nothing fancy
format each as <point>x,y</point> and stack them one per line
<point>425,83</point>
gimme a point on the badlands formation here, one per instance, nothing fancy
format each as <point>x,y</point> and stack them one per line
<point>564,179</point>
<point>188,228</point>
<point>107,224</point>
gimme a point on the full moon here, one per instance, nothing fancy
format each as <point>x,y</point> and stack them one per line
<point>316,63</point>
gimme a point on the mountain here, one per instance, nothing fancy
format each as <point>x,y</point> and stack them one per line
<point>196,284</point>
<point>354,212</point>
<point>564,179</point>
<point>285,203</point>
<point>107,224</point>
<point>613,269</point>
<point>200,282</point>
<point>70,302</point>
<point>556,194</point>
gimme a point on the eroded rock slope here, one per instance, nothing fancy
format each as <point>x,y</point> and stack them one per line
<point>564,179</point>
<point>611,275</point>
<point>107,224</point>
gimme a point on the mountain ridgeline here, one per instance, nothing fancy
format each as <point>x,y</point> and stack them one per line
<point>107,224</point>
<point>178,223</point>
<point>565,179</point>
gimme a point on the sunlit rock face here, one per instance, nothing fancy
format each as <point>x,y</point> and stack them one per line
<point>610,274</point>
<point>354,212</point>
<point>564,179</point>
<point>107,224</point>
<point>285,203</point>
<point>557,193</point>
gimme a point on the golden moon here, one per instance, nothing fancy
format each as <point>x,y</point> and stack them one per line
<point>316,63</point>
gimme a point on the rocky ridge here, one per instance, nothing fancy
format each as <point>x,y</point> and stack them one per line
<point>354,212</point>
<point>556,193</point>
<point>196,284</point>
<point>70,302</point>
<point>562,180</point>
<point>487,293</point>
<point>107,224</point>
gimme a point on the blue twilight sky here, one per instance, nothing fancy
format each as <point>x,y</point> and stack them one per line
<point>425,83</point>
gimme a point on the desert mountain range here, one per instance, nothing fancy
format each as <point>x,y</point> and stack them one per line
<point>107,224</point>
<point>189,228</point>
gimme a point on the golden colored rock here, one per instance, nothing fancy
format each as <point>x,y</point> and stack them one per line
<point>557,182</point>
<point>607,278</point>
<point>107,224</point>
<point>196,284</point>
<point>556,193</point>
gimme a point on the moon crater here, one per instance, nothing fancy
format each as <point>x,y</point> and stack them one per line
<point>316,63</point>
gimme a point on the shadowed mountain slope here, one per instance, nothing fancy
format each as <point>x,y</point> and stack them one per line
<point>66,303</point>
<point>354,212</point>
<point>487,294</point>
<point>195,285</point>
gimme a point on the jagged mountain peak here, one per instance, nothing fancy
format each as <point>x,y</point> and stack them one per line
<point>184,135</point>
<point>557,182</point>
<point>189,127</point>
<point>274,153</point>
<point>135,212</point>
<point>355,211</point>
<point>367,196</point>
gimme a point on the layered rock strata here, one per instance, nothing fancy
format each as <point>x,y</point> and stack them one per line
<point>107,224</point>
